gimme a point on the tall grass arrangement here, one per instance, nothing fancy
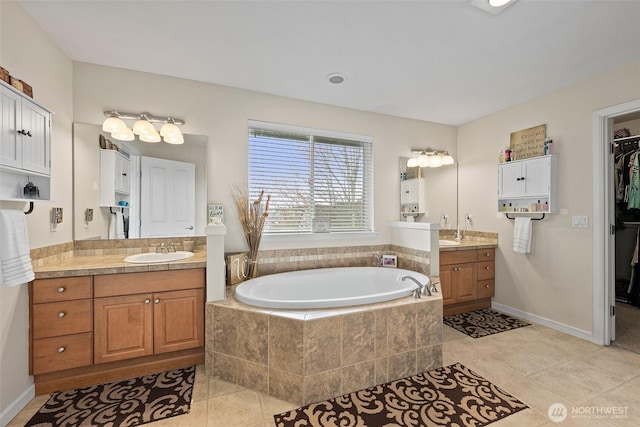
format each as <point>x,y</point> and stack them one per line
<point>252,217</point>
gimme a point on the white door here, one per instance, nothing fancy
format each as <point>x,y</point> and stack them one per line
<point>10,149</point>
<point>510,180</point>
<point>537,176</point>
<point>167,198</point>
<point>35,146</point>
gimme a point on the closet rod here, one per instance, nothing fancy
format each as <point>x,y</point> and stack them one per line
<point>626,138</point>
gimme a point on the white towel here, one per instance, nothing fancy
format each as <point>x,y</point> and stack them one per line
<point>15,261</point>
<point>119,225</point>
<point>116,226</point>
<point>522,235</point>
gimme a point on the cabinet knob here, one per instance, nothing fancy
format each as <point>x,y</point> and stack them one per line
<point>61,290</point>
<point>156,301</point>
<point>487,254</point>
<point>487,268</point>
<point>61,349</point>
<point>61,314</point>
<point>486,286</point>
<point>147,301</point>
<point>24,132</point>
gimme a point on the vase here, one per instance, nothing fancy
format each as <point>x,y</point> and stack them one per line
<point>254,268</point>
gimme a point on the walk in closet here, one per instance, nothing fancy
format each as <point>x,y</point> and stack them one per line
<point>627,230</point>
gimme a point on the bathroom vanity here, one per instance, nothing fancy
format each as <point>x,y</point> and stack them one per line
<point>114,322</point>
<point>467,276</point>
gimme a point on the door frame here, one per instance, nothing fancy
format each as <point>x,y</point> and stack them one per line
<point>603,220</point>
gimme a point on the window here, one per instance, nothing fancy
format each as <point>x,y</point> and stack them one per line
<point>315,177</point>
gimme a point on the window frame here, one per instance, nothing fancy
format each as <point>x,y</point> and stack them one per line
<point>367,190</point>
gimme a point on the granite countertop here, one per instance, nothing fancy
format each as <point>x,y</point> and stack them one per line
<point>466,244</point>
<point>112,264</point>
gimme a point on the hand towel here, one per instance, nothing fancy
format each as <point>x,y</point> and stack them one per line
<point>119,225</point>
<point>112,226</point>
<point>15,260</point>
<point>522,235</point>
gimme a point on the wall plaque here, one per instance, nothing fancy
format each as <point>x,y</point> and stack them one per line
<point>528,143</point>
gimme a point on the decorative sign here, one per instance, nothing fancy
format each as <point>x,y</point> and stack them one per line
<point>237,268</point>
<point>215,215</point>
<point>528,143</point>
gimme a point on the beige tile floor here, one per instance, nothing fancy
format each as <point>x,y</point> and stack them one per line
<point>536,364</point>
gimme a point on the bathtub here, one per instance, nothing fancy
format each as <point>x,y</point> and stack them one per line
<point>328,287</point>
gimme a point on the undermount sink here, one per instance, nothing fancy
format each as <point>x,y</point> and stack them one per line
<point>151,257</point>
<point>448,243</point>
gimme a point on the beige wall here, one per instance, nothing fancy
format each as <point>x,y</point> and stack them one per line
<point>554,281</point>
<point>221,113</point>
<point>31,56</point>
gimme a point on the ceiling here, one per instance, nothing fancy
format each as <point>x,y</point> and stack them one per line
<point>443,61</point>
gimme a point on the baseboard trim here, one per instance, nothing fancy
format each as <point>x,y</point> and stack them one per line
<point>17,405</point>
<point>561,327</point>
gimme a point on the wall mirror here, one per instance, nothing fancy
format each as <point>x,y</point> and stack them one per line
<point>438,193</point>
<point>91,221</point>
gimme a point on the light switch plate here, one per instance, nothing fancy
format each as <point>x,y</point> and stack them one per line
<point>580,221</point>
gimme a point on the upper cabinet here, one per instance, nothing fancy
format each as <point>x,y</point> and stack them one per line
<point>114,178</point>
<point>25,146</point>
<point>528,185</point>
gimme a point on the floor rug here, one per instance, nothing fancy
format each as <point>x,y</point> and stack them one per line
<point>481,323</point>
<point>129,402</point>
<point>449,396</point>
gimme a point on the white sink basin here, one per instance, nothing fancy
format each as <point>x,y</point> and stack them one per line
<point>448,243</point>
<point>151,257</point>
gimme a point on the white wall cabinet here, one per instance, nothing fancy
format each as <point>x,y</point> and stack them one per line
<point>25,145</point>
<point>528,184</point>
<point>412,195</point>
<point>115,178</point>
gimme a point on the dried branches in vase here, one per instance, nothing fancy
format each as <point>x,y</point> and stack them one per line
<point>252,217</point>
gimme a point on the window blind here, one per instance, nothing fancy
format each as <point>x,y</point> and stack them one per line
<point>311,175</point>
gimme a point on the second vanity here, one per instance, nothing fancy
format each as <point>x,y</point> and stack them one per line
<point>467,273</point>
<point>98,319</point>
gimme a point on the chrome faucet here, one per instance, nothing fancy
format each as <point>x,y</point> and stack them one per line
<point>421,290</point>
<point>162,249</point>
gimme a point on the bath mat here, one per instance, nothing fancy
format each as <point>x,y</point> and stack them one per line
<point>129,402</point>
<point>452,395</point>
<point>481,323</point>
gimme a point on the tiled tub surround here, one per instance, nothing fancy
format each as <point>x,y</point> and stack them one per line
<point>310,355</point>
<point>279,261</point>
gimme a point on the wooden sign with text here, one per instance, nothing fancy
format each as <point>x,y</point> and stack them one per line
<point>528,143</point>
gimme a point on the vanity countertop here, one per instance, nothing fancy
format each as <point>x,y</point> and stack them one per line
<point>112,264</point>
<point>466,244</point>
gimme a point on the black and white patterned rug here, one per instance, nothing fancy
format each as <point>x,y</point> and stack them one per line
<point>449,396</point>
<point>129,402</point>
<point>480,323</point>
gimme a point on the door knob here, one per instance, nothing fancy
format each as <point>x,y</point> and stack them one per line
<point>189,227</point>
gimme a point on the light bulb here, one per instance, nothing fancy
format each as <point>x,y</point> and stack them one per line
<point>150,137</point>
<point>498,3</point>
<point>143,127</point>
<point>412,162</point>
<point>423,160</point>
<point>123,135</point>
<point>435,161</point>
<point>168,129</point>
<point>113,124</point>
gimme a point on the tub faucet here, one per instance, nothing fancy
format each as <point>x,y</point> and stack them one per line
<point>162,249</point>
<point>422,289</point>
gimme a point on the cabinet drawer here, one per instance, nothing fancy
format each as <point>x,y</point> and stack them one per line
<point>486,254</point>
<point>61,318</point>
<point>457,257</point>
<point>61,289</point>
<point>66,352</point>
<point>486,289</point>
<point>154,281</point>
<point>486,270</point>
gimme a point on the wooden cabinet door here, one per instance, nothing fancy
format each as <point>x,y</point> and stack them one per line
<point>465,282</point>
<point>178,320</point>
<point>123,327</point>
<point>446,284</point>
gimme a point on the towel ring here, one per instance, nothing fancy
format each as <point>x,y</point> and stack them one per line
<point>532,219</point>
<point>30,209</point>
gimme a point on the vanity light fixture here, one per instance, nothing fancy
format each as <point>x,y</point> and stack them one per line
<point>143,127</point>
<point>429,158</point>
